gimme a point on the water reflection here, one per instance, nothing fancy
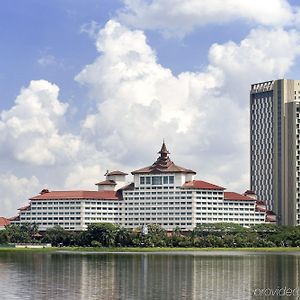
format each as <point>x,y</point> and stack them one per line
<point>144,276</point>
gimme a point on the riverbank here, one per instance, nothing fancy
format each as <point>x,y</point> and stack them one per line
<point>154,249</point>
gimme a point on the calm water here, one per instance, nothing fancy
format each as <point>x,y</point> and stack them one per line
<point>209,275</point>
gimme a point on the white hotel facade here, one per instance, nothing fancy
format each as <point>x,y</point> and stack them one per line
<point>162,193</point>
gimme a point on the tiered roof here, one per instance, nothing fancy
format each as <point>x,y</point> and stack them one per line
<point>163,165</point>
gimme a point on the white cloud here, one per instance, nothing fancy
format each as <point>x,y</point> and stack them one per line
<point>30,130</point>
<point>84,175</point>
<point>47,60</point>
<point>264,54</point>
<point>179,17</point>
<point>203,116</point>
<point>128,75</point>
<point>90,28</point>
<point>15,192</point>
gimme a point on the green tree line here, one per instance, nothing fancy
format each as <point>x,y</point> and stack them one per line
<point>111,235</point>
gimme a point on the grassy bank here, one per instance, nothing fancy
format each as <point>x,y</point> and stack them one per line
<point>137,249</point>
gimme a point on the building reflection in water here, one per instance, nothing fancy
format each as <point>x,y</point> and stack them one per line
<point>205,275</point>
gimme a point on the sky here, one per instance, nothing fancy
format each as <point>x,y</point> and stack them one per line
<point>93,85</point>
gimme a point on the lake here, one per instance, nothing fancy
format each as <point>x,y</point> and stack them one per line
<point>186,275</point>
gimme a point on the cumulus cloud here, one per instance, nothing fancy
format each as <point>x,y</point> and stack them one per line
<point>35,143</point>
<point>139,101</point>
<point>15,191</point>
<point>178,17</point>
<point>202,115</point>
<point>258,57</point>
<point>128,75</point>
<point>30,129</point>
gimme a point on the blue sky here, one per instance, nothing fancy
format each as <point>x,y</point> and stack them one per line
<point>97,84</point>
<point>31,30</point>
<point>34,29</point>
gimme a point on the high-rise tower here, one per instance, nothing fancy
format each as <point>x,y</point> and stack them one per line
<point>274,147</point>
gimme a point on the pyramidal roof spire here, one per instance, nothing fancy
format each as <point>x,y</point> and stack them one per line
<point>163,164</point>
<point>164,151</point>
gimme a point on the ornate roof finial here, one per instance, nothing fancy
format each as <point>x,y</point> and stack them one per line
<point>163,151</point>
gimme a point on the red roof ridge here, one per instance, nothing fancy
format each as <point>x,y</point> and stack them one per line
<point>236,196</point>
<point>24,207</point>
<point>79,194</point>
<point>250,192</point>
<point>128,186</point>
<point>13,218</point>
<point>116,172</point>
<point>171,168</point>
<point>200,184</point>
<point>106,182</point>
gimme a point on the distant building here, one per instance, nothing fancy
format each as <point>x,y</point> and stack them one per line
<point>274,131</point>
<point>163,193</point>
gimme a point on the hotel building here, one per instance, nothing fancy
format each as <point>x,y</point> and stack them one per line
<point>274,147</point>
<point>163,193</point>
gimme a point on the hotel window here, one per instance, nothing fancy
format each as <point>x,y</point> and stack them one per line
<point>156,180</point>
<point>171,179</point>
<point>166,179</point>
<point>142,180</point>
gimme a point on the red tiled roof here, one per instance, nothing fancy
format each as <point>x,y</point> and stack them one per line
<point>129,186</point>
<point>171,168</point>
<point>199,184</point>
<point>235,196</point>
<point>260,202</point>
<point>24,207</point>
<point>4,221</point>
<point>249,192</point>
<point>271,216</point>
<point>73,195</point>
<point>115,173</point>
<point>261,206</point>
<point>14,218</point>
<point>106,182</point>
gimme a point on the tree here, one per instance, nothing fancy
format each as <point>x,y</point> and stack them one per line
<point>123,237</point>
<point>56,236</point>
<point>218,229</point>
<point>21,233</point>
<point>177,238</point>
<point>3,237</point>
<point>80,238</point>
<point>105,233</point>
<point>156,235</point>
